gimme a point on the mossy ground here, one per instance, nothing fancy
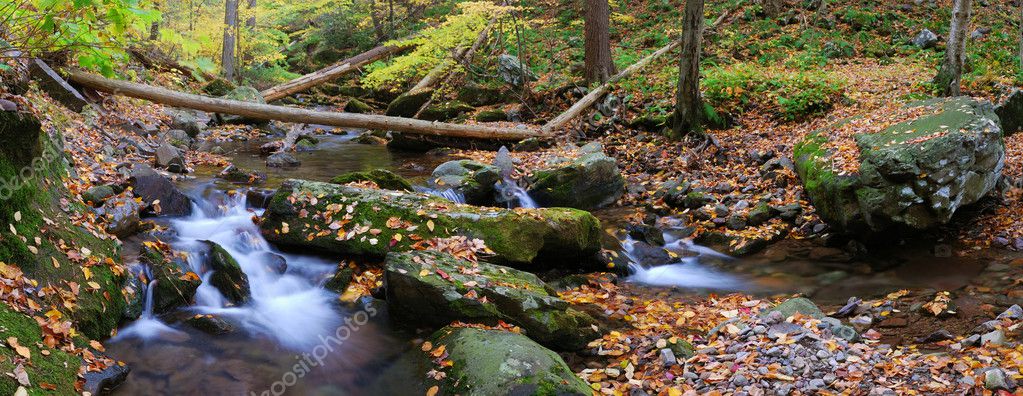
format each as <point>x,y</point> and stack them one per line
<point>55,367</point>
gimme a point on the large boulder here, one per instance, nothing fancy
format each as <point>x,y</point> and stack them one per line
<point>121,215</point>
<point>175,286</point>
<point>159,195</point>
<point>914,174</point>
<point>445,111</point>
<point>486,362</point>
<point>349,220</point>
<point>473,180</point>
<point>227,276</point>
<point>512,71</point>
<point>408,104</point>
<point>434,289</point>
<point>243,94</point>
<point>588,182</point>
<point>383,178</point>
<point>1010,113</point>
<point>170,158</point>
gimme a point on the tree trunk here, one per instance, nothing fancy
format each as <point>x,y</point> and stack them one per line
<point>951,72</point>
<point>330,73</point>
<point>599,92</point>
<point>227,51</point>
<point>1021,35</point>
<point>599,66</point>
<point>289,114</point>
<point>688,106</point>
<point>251,22</point>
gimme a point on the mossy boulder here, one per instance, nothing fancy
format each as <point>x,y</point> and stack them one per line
<point>492,115</point>
<point>41,225</point>
<point>383,178</point>
<point>227,275</point>
<point>481,94</point>
<point>408,104</point>
<point>218,87</point>
<point>357,106</point>
<point>55,367</point>
<point>473,180</point>
<point>445,111</point>
<point>491,362</point>
<point>912,175</point>
<point>243,94</point>
<point>96,195</point>
<point>591,181</point>
<point>175,286</point>
<point>355,221</point>
<point>434,289</point>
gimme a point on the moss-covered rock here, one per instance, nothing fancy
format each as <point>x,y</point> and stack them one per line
<point>492,115</point>
<point>218,87</point>
<point>481,94</point>
<point>243,94</point>
<point>434,289</point>
<point>473,180</point>
<point>493,362</point>
<point>445,110</point>
<point>227,275</point>
<point>911,175</point>
<point>588,182</point>
<point>175,286</point>
<point>55,367</point>
<point>383,178</point>
<point>408,104</point>
<point>348,220</point>
<point>357,106</point>
<point>339,282</point>
<point>39,211</point>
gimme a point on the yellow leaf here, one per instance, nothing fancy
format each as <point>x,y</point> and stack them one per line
<point>433,390</point>
<point>87,272</point>
<point>21,350</point>
<point>429,225</point>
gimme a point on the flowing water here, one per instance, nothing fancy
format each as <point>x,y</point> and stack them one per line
<point>296,337</point>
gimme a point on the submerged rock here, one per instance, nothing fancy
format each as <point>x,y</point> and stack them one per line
<point>383,178</point>
<point>228,276</point>
<point>210,324</point>
<point>348,220</point>
<point>592,181</point>
<point>103,382</point>
<point>419,292</point>
<point>282,160</point>
<point>473,180</point>
<point>151,186</point>
<point>493,362</point>
<point>913,175</point>
<point>237,175</point>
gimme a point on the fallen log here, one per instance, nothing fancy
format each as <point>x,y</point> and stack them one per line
<point>600,91</point>
<point>330,73</point>
<point>289,114</point>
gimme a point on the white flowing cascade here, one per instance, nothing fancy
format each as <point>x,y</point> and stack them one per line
<point>687,273</point>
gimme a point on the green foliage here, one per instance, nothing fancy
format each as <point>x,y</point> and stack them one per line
<point>94,32</point>
<point>795,94</point>
<point>434,46</point>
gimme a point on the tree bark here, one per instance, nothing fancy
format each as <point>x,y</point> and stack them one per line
<point>288,114</point>
<point>598,64</point>
<point>251,22</point>
<point>1021,35</point>
<point>227,50</point>
<point>948,80</point>
<point>688,106</point>
<point>330,73</point>
<point>599,92</point>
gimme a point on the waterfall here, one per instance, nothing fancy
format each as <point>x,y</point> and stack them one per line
<point>508,189</point>
<point>148,326</point>
<point>289,306</point>
<point>688,272</point>
<point>449,194</point>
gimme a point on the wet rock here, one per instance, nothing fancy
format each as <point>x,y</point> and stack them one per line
<point>236,175</point>
<point>645,233</point>
<point>648,255</point>
<point>338,283</point>
<point>271,147</point>
<point>282,160</point>
<point>121,215</point>
<point>104,381</point>
<point>383,178</point>
<point>274,262</point>
<point>418,293</point>
<point>151,186</point>
<point>960,166</point>
<point>96,195</point>
<point>228,276</point>
<point>258,198</point>
<point>473,180</point>
<point>520,237</point>
<point>210,324</point>
<point>170,158</point>
<point>174,286</point>
<point>589,182</point>
<point>925,39</point>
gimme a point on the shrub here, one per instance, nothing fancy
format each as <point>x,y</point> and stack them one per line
<point>793,95</point>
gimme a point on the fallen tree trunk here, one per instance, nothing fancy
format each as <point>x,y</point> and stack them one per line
<point>600,91</point>
<point>289,114</point>
<point>330,73</point>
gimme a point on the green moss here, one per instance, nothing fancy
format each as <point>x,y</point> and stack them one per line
<point>56,368</point>
<point>383,178</point>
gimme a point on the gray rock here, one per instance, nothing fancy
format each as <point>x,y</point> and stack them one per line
<point>473,180</point>
<point>512,71</point>
<point>282,160</point>
<point>1014,312</point>
<point>103,382</point>
<point>591,181</point>
<point>1010,113</point>
<point>178,138</point>
<point>996,338</point>
<point>668,357</point>
<point>190,121</point>
<point>121,215</point>
<point>925,39</point>
<point>96,195</point>
<point>793,305</point>
<point>170,158</point>
<point>152,187</point>
<point>845,332</point>
<point>995,379</point>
